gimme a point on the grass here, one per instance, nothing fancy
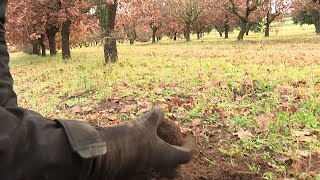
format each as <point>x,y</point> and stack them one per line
<point>235,82</point>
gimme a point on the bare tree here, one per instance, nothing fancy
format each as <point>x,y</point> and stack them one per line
<point>187,11</point>
<point>242,9</point>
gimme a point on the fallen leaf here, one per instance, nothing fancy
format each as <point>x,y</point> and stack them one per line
<point>159,91</point>
<point>301,133</point>
<point>143,110</point>
<point>112,118</point>
<point>176,102</point>
<point>127,108</point>
<point>132,116</point>
<point>308,139</point>
<point>293,109</point>
<point>185,130</point>
<point>303,153</point>
<point>196,122</point>
<point>284,89</point>
<point>262,121</point>
<point>242,134</point>
<point>87,109</point>
<point>76,109</point>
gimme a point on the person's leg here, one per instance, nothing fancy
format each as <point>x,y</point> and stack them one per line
<point>8,97</point>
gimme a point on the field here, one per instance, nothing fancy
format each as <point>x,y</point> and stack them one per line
<point>253,106</point>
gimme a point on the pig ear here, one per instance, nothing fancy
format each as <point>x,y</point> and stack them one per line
<point>154,117</point>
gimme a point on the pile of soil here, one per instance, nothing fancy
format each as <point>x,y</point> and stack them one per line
<point>170,133</point>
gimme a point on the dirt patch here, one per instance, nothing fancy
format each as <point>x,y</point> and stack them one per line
<point>213,158</point>
<point>306,167</point>
<point>211,163</point>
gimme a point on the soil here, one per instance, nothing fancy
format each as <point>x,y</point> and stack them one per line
<point>170,133</point>
<point>212,157</point>
<point>209,162</point>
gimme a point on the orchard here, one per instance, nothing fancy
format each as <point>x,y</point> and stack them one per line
<point>241,77</point>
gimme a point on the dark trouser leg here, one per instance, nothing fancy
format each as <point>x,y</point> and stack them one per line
<point>8,97</point>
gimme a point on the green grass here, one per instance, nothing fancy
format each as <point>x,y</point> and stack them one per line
<point>249,72</point>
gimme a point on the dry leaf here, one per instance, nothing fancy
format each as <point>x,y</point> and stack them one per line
<point>87,109</point>
<point>303,153</point>
<point>112,118</point>
<point>159,90</point>
<point>185,130</point>
<point>127,108</point>
<point>283,89</point>
<point>196,122</point>
<point>243,134</point>
<point>301,133</point>
<point>143,110</point>
<point>76,109</point>
<point>262,121</point>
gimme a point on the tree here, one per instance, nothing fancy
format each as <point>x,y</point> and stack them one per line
<point>222,19</point>
<point>51,32</point>
<point>271,11</point>
<point>307,12</point>
<point>153,15</point>
<point>172,27</point>
<point>187,12</point>
<point>243,9</point>
<point>107,11</point>
<point>70,12</point>
<point>35,21</point>
<point>128,18</point>
<point>50,23</point>
<point>24,24</point>
<point>201,24</point>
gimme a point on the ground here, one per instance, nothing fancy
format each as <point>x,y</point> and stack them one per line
<point>253,106</point>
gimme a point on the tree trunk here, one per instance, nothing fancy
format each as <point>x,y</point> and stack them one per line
<point>242,31</point>
<point>267,30</point>
<point>131,41</point>
<point>198,35</point>
<point>43,46</point>
<point>65,35</point>
<point>248,28</point>
<point>188,29</point>
<point>317,28</point>
<point>133,36</point>
<point>226,34</point>
<point>316,21</point>
<point>154,31</point>
<point>107,17</point>
<point>226,27</point>
<point>110,50</point>
<point>51,34</point>
<point>220,33</point>
<point>35,47</point>
<point>175,36</point>
<point>226,31</point>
